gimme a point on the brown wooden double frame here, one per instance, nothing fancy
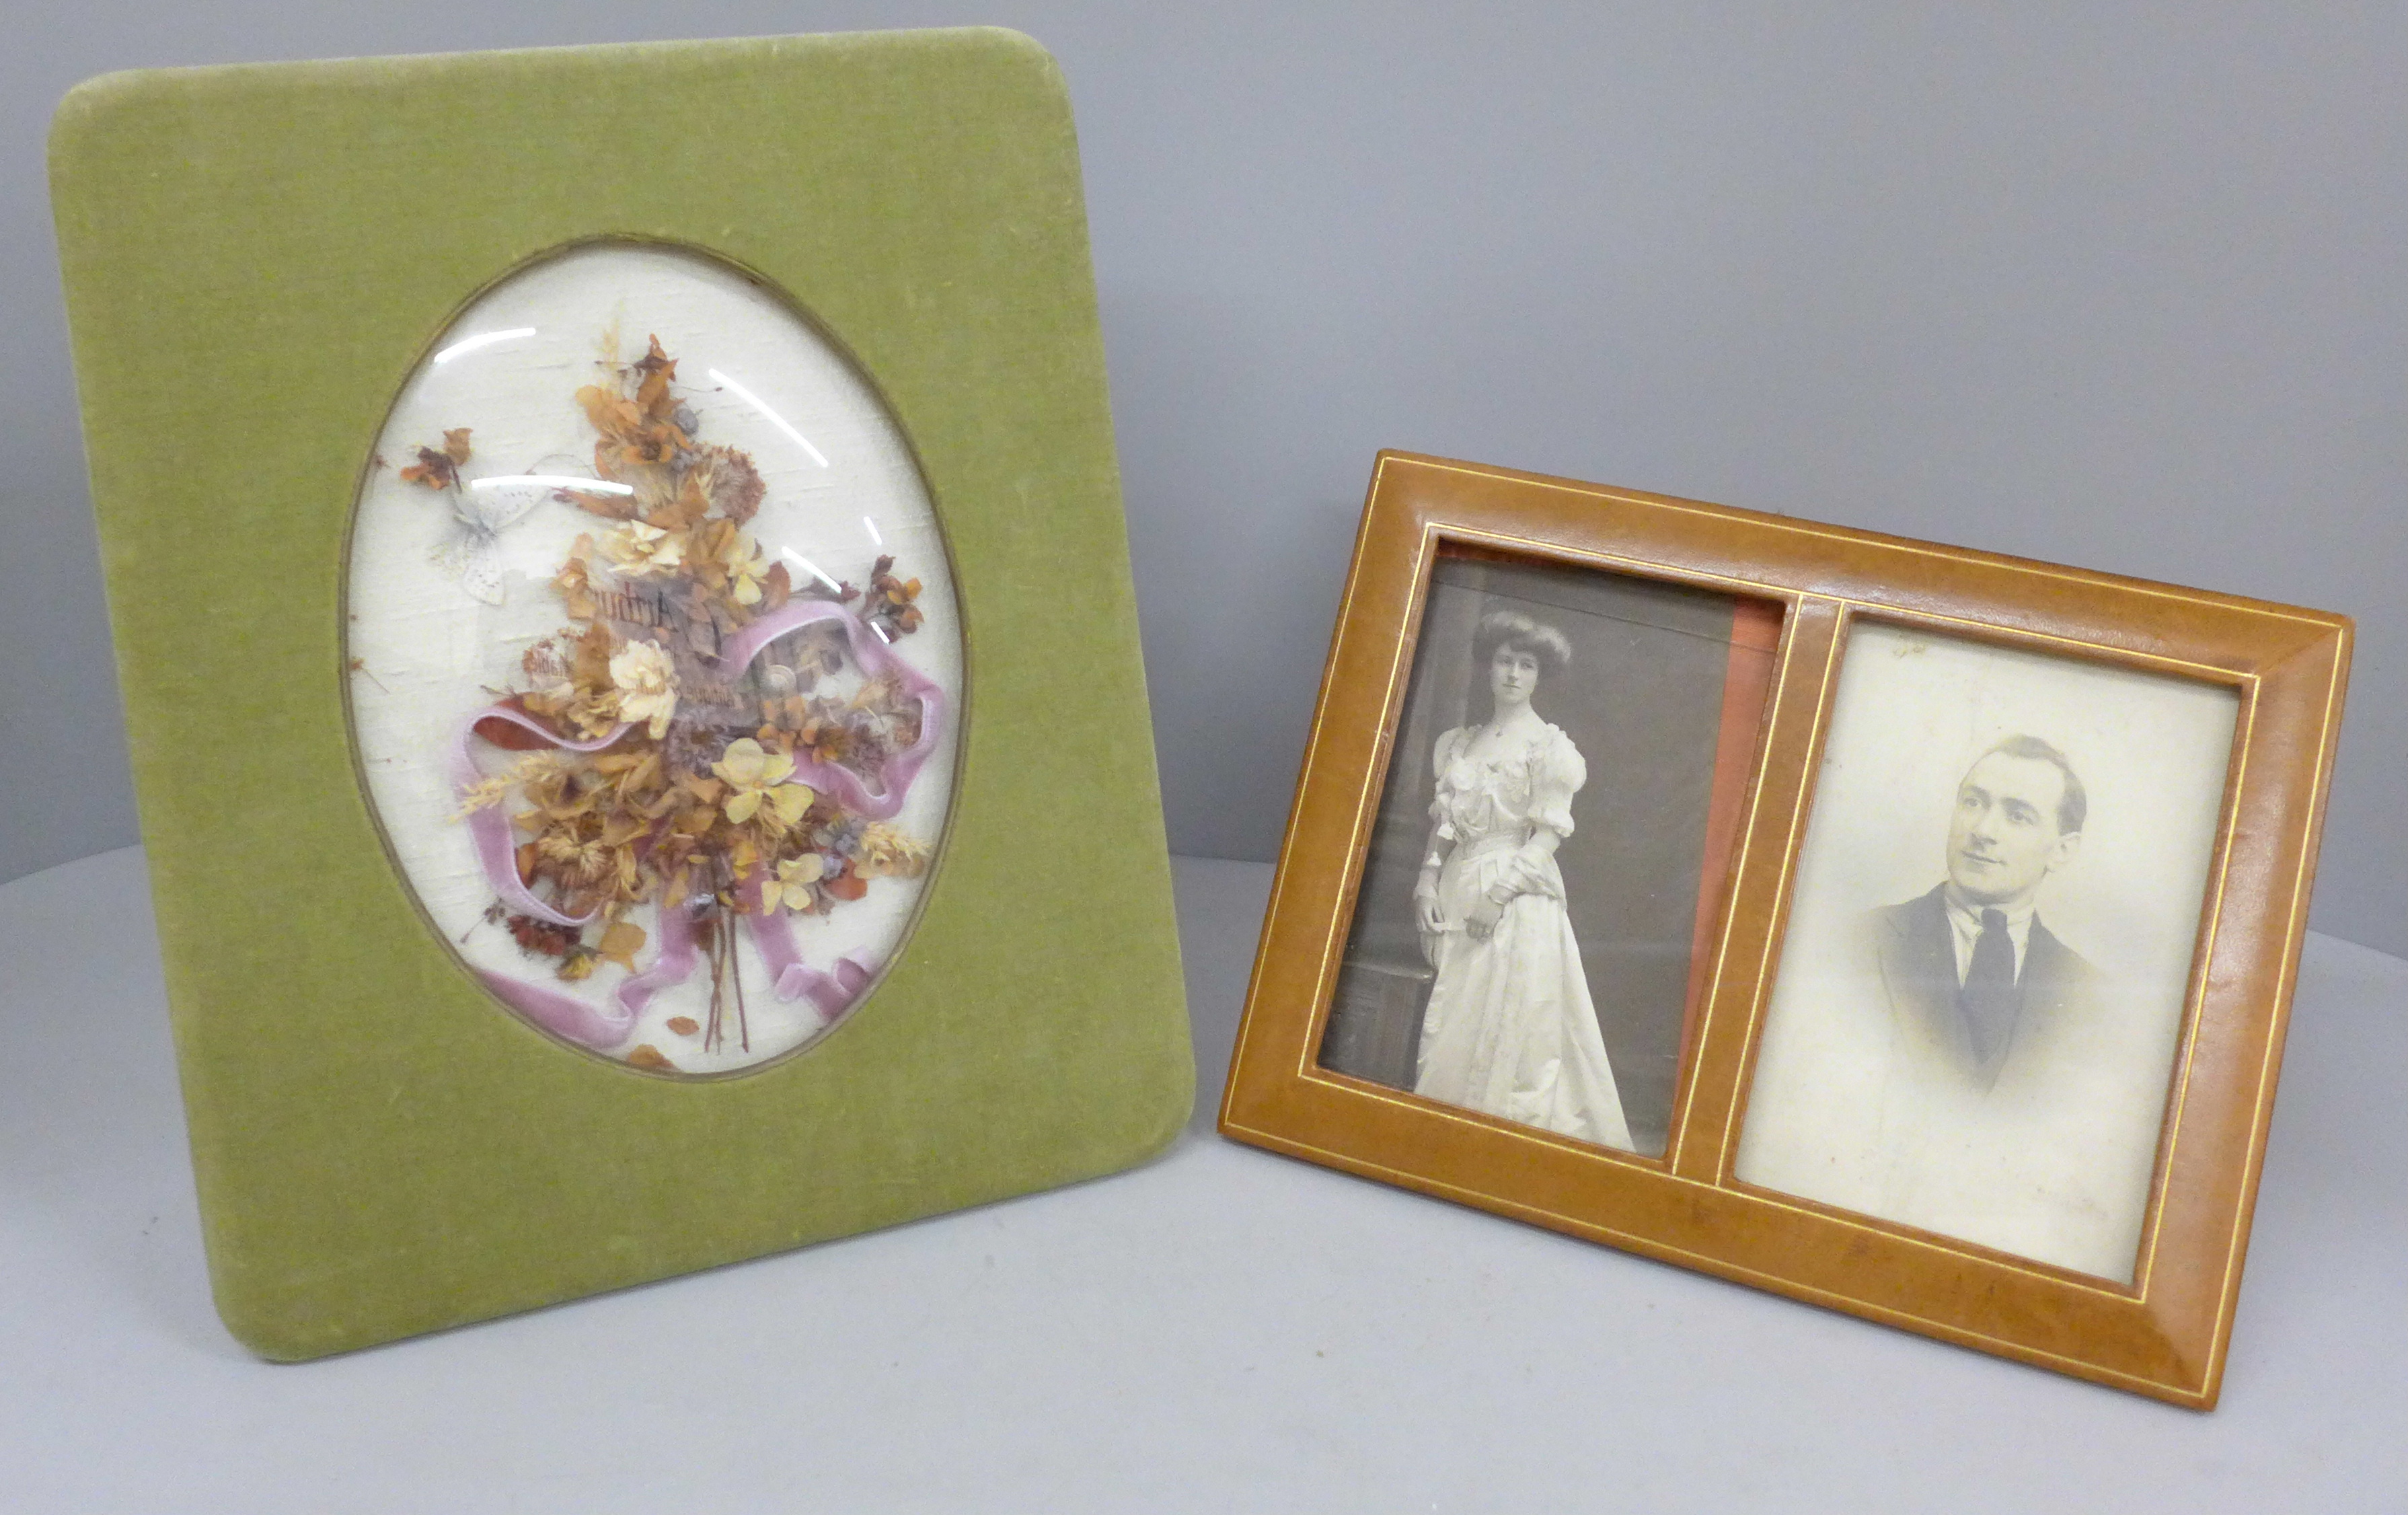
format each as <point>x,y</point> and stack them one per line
<point>2164,1335</point>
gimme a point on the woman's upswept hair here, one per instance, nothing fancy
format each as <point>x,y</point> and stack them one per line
<point>1511,628</point>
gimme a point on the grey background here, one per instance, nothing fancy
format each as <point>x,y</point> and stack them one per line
<point>2113,287</point>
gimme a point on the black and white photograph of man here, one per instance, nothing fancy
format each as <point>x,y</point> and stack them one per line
<point>1968,963</point>
<point>1979,1005</point>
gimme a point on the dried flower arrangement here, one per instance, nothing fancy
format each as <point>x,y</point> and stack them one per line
<point>704,736</point>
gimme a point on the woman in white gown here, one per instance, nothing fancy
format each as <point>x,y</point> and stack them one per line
<point>1511,1028</point>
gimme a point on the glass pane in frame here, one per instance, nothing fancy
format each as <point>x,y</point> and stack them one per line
<point>1548,863</point>
<point>1990,940</point>
<point>655,664</point>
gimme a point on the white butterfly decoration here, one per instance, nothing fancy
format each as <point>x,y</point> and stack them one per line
<point>483,508</point>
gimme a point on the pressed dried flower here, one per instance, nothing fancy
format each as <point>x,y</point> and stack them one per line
<point>584,858</point>
<point>681,811</point>
<point>829,740</point>
<point>563,706</point>
<point>791,889</point>
<point>640,549</point>
<point>646,679</point>
<point>483,795</point>
<point>734,484</point>
<point>748,569</point>
<point>754,775</point>
<point>439,471</point>
<point>889,853</point>
<point>574,583</point>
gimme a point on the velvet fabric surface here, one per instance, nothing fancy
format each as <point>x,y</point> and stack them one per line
<point>255,259</point>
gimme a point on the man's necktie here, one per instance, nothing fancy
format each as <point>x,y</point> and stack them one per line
<point>1988,997</point>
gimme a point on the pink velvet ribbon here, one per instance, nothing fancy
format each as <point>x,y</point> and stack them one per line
<point>870,651</point>
<point>833,992</point>
<point>489,830</point>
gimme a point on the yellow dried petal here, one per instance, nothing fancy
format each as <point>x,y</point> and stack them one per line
<point>791,799</point>
<point>743,763</point>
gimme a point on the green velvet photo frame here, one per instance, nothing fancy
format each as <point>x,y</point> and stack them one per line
<point>256,261</point>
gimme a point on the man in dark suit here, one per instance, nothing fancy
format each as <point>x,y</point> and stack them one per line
<point>1969,966</point>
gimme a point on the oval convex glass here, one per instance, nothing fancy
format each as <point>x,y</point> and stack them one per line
<point>655,665</point>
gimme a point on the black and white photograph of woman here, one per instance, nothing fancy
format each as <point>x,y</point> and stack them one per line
<point>1510,1028</point>
<point>1524,938</point>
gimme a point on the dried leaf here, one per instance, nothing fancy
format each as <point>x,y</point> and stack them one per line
<point>690,504</point>
<point>608,413</point>
<point>652,395</point>
<point>617,506</point>
<point>646,1055</point>
<point>643,775</point>
<point>456,444</point>
<point>548,938</point>
<point>620,943</point>
<point>683,1025</point>
<point>432,470</point>
<point>777,588</point>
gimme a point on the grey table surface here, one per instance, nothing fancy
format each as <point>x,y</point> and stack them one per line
<point>1219,1330</point>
